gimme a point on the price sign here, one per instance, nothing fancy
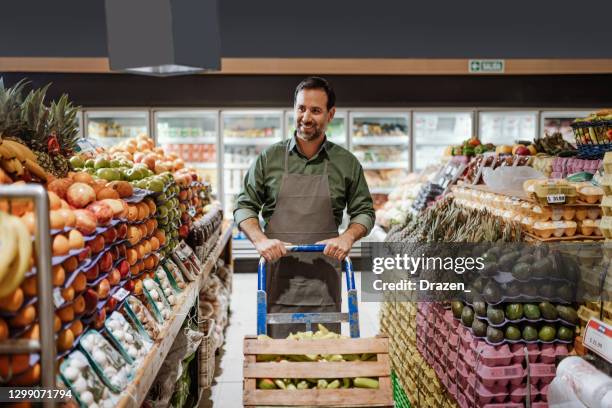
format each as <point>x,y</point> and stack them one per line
<point>598,338</point>
<point>121,294</point>
<point>192,211</point>
<point>58,299</point>
<point>555,199</point>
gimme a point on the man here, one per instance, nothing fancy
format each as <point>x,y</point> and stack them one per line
<point>302,186</point>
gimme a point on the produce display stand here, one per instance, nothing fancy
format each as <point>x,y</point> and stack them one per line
<point>350,397</point>
<point>135,394</point>
<point>42,243</point>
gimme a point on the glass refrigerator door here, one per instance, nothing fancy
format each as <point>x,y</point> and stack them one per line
<point>560,122</point>
<point>381,142</point>
<point>507,127</point>
<point>245,135</point>
<point>108,128</point>
<point>434,131</point>
<point>192,136</point>
<point>336,130</point>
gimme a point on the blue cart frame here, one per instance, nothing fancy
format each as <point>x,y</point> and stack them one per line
<point>264,318</point>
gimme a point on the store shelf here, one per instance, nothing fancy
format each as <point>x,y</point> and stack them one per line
<point>200,165</point>
<point>380,140</point>
<point>381,190</point>
<point>135,394</point>
<point>188,140</point>
<point>249,141</point>
<point>385,165</point>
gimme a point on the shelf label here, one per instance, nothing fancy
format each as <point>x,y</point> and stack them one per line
<point>478,66</point>
<point>598,338</point>
<point>121,294</point>
<point>192,212</point>
<point>58,299</point>
<point>555,199</point>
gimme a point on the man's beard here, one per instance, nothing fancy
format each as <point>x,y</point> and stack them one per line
<point>315,134</point>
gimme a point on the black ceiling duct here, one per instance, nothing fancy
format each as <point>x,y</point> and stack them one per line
<point>163,37</point>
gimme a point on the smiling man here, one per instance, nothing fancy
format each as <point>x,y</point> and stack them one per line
<point>302,186</point>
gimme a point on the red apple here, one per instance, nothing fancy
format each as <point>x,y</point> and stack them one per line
<point>106,262</point>
<point>185,217</point>
<point>129,286</point>
<point>523,151</point>
<point>91,300</point>
<point>85,254</point>
<point>100,318</point>
<point>110,235</point>
<point>96,245</point>
<point>114,277</point>
<point>183,231</point>
<point>102,211</point>
<point>124,268</point>
<point>122,249</point>
<point>92,273</point>
<point>103,289</point>
<point>121,231</point>
<point>111,305</point>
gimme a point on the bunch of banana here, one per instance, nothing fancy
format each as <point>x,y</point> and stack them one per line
<point>15,253</point>
<point>15,158</point>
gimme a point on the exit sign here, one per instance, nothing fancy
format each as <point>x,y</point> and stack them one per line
<point>486,66</point>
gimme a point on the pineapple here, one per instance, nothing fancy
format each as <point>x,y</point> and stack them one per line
<point>11,124</point>
<point>64,128</point>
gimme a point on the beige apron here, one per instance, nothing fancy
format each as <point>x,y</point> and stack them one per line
<point>303,282</point>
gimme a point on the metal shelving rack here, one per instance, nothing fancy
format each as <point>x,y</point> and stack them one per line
<point>42,243</point>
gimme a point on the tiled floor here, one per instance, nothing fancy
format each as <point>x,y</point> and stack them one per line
<point>226,391</point>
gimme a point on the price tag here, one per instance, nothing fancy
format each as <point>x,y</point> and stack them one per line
<point>58,299</point>
<point>598,338</point>
<point>121,294</point>
<point>555,199</point>
<point>192,211</point>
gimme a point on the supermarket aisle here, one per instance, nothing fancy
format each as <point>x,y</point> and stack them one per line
<point>226,391</point>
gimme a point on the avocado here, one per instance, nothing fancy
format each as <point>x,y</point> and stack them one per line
<point>478,284</point>
<point>479,328</point>
<point>90,163</point>
<point>521,271</point>
<point>514,311</point>
<point>529,290</point>
<point>489,257</point>
<point>490,269</point>
<point>548,311</point>
<point>565,293</point>
<point>542,268</point>
<point>494,335</point>
<point>480,308</point>
<point>547,333</point>
<point>492,292</point>
<point>508,260</point>
<point>467,316</point>
<point>546,290</point>
<point>530,333</point>
<point>531,311</point>
<point>526,258</point>
<point>565,333</point>
<point>495,315</point>
<point>512,289</point>
<point>513,332</point>
<point>568,314</point>
<point>457,308</point>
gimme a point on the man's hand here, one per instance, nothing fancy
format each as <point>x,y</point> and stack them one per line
<point>271,249</point>
<point>338,248</point>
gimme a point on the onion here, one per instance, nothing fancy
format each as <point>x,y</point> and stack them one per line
<point>85,221</point>
<point>80,194</point>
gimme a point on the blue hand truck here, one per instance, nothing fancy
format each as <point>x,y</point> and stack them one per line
<point>264,318</point>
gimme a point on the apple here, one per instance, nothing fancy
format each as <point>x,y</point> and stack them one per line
<point>84,254</point>
<point>121,231</point>
<point>124,268</point>
<point>129,286</point>
<point>523,151</point>
<point>102,211</point>
<point>183,231</point>
<point>106,262</point>
<point>91,300</point>
<point>122,249</point>
<point>100,318</point>
<point>111,305</point>
<point>138,287</point>
<point>114,277</point>
<point>103,288</point>
<point>92,273</point>
<point>110,235</point>
<point>114,251</point>
<point>96,245</point>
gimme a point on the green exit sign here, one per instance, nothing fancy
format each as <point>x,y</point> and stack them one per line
<point>486,66</point>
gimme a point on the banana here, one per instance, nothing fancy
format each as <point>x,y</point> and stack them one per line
<point>8,244</point>
<point>22,151</point>
<point>20,263</point>
<point>35,169</point>
<point>12,166</point>
<point>6,152</point>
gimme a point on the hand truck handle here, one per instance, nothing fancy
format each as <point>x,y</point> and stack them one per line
<point>347,265</point>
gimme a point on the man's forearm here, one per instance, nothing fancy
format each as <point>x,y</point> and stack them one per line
<point>253,231</point>
<point>355,231</point>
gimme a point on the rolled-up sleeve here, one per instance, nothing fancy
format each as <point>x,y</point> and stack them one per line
<point>250,200</point>
<point>360,207</point>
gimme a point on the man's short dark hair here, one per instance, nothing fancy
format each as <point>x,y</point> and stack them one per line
<point>318,83</point>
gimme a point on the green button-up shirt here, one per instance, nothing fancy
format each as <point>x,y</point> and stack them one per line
<point>347,184</point>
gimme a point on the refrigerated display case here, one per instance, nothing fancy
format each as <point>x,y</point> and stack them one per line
<point>560,122</point>
<point>107,127</point>
<point>191,135</point>
<point>336,129</point>
<point>381,142</point>
<point>507,127</point>
<point>245,135</point>
<point>434,131</point>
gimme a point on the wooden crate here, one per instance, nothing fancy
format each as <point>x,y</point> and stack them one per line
<point>351,397</point>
